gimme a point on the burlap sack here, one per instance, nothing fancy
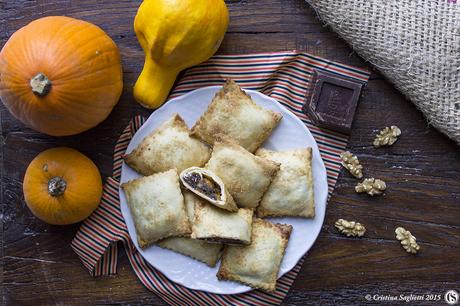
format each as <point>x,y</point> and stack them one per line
<point>414,43</point>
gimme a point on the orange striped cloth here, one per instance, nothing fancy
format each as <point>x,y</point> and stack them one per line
<point>286,77</point>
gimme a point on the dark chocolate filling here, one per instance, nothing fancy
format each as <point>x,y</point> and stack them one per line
<point>203,185</point>
<point>224,240</point>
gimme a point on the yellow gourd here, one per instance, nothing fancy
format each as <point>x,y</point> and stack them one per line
<point>175,34</point>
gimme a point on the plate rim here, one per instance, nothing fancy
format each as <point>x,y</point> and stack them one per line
<point>286,110</point>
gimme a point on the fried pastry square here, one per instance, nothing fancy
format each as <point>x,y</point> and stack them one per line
<point>245,175</point>
<point>291,192</point>
<point>198,249</point>
<point>167,147</point>
<point>257,265</point>
<point>213,224</point>
<point>233,113</point>
<point>157,207</point>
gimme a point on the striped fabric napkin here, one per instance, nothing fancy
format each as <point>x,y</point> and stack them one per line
<point>286,77</point>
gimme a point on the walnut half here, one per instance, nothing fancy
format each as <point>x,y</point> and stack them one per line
<point>350,228</point>
<point>371,186</point>
<point>408,241</point>
<point>351,163</point>
<point>387,136</point>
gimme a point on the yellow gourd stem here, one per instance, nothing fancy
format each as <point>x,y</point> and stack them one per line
<point>154,84</point>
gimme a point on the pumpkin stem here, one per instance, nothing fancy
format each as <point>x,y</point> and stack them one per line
<point>40,85</point>
<point>56,186</point>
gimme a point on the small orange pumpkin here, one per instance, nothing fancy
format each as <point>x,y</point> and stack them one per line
<point>60,75</point>
<point>62,186</point>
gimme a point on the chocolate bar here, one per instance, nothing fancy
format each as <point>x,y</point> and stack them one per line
<point>332,101</point>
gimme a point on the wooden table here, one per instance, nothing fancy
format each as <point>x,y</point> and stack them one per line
<point>422,171</point>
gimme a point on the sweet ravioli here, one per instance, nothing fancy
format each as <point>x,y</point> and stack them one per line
<point>217,225</point>
<point>157,207</point>
<point>291,192</point>
<point>233,113</point>
<point>257,265</point>
<point>245,175</point>
<point>168,147</point>
<point>213,216</point>
<point>201,250</point>
<point>208,186</point>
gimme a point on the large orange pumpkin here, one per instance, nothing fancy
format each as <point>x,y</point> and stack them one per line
<point>62,186</point>
<point>60,75</point>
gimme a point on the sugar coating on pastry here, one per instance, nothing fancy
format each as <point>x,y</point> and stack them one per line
<point>200,250</point>
<point>257,265</point>
<point>167,147</point>
<point>245,175</point>
<point>291,191</point>
<point>233,113</point>
<point>157,207</point>
<point>203,251</point>
<point>213,224</point>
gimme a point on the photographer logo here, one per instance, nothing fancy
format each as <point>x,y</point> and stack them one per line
<point>451,297</point>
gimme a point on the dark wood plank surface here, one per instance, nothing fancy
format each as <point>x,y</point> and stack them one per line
<point>422,171</point>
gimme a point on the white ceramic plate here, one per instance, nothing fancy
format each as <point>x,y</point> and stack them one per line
<point>291,133</point>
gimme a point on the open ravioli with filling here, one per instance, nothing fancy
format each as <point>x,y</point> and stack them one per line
<point>213,224</point>
<point>157,207</point>
<point>291,192</point>
<point>257,265</point>
<point>198,249</point>
<point>167,147</point>
<point>233,113</point>
<point>245,175</point>
<point>208,186</point>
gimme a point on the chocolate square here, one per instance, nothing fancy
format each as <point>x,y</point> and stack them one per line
<point>333,101</point>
